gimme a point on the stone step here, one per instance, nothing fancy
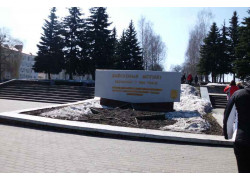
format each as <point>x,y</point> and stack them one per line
<point>50,88</point>
<point>36,100</point>
<point>218,101</point>
<point>41,99</point>
<point>48,93</point>
<point>38,95</point>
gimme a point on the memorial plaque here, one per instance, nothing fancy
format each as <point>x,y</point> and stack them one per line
<point>138,86</point>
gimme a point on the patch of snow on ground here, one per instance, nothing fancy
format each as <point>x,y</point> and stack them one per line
<point>216,84</point>
<point>189,112</point>
<point>73,111</point>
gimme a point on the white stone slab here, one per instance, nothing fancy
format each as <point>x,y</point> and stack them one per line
<point>138,86</point>
<point>107,129</point>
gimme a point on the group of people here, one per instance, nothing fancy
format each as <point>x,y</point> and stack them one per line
<point>236,123</point>
<point>189,79</point>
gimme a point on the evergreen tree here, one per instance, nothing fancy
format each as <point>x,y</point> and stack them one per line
<point>74,33</point>
<point>99,36</point>
<point>242,63</point>
<point>134,61</point>
<point>122,53</point>
<point>128,51</point>
<point>50,58</point>
<point>114,45</point>
<point>234,38</point>
<point>203,65</point>
<point>209,62</point>
<point>224,62</point>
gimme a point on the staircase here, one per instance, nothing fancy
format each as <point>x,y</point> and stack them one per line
<point>45,91</point>
<point>218,101</point>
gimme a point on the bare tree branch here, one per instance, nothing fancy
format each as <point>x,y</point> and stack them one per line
<point>153,48</point>
<point>8,47</point>
<point>196,37</point>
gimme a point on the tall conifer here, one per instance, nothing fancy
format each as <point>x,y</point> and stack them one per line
<point>242,63</point>
<point>234,39</point>
<point>50,58</point>
<point>73,34</point>
<point>224,60</point>
<point>99,36</point>
<point>210,56</point>
<point>134,51</point>
<point>122,53</point>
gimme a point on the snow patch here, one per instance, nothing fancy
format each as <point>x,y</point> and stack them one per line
<point>73,111</point>
<point>189,112</point>
<point>216,84</point>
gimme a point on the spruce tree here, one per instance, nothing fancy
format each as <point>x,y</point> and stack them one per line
<point>122,61</point>
<point>203,65</point>
<point>99,36</point>
<point>224,60</point>
<point>50,58</point>
<point>134,51</point>
<point>234,39</point>
<point>114,46</point>
<point>73,34</point>
<point>209,62</point>
<point>242,63</point>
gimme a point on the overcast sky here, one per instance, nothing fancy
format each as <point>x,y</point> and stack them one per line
<point>171,23</point>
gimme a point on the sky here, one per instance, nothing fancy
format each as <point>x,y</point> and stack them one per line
<point>173,24</point>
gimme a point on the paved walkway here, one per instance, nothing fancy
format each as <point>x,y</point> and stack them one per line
<point>31,150</point>
<point>14,105</point>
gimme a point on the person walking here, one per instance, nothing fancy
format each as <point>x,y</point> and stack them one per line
<point>236,125</point>
<point>183,78</point>
<point>230,89</point>
<point>196,80</point>
<point>189,79</point>
<point>239,85</point>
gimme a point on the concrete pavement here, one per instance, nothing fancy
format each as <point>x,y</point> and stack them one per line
<point>31,150</point>
<point>14,105</point>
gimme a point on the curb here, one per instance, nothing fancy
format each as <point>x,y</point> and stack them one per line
<point>82,127</point>
<point>7,82</point>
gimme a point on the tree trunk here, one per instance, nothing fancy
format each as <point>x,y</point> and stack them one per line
<point>206,78</point>
<point>0,71</point>
<point>234,76</point>
<point>93,75</point>
<point>70,76</point>
<point>223,79</point>
<point>49,77</point>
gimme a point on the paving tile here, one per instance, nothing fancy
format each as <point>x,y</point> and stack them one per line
<point>31,150</point>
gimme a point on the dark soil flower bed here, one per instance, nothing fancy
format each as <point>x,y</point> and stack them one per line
<point>132,118</point>
<point>121,117</point>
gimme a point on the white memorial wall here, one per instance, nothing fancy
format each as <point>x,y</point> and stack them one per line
<point>138,86</point>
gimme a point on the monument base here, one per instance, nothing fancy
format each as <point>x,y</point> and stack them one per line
<point>156,107</point>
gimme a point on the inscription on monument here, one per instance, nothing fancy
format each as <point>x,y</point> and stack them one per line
<point>138,86</point>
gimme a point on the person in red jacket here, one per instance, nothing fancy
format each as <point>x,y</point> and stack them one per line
<point>190,79</point>
<point>230,89</point>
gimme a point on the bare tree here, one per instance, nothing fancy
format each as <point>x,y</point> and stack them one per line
<point>153,48</point>
<point>176,68</point>
<point>196,37</point>
<point>10,53</point>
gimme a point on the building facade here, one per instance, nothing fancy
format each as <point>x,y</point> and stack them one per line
<point>19,65</point>
<point>10,60</point>
<point>25,70</point>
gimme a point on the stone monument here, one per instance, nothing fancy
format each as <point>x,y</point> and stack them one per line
<point>144,90</point>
